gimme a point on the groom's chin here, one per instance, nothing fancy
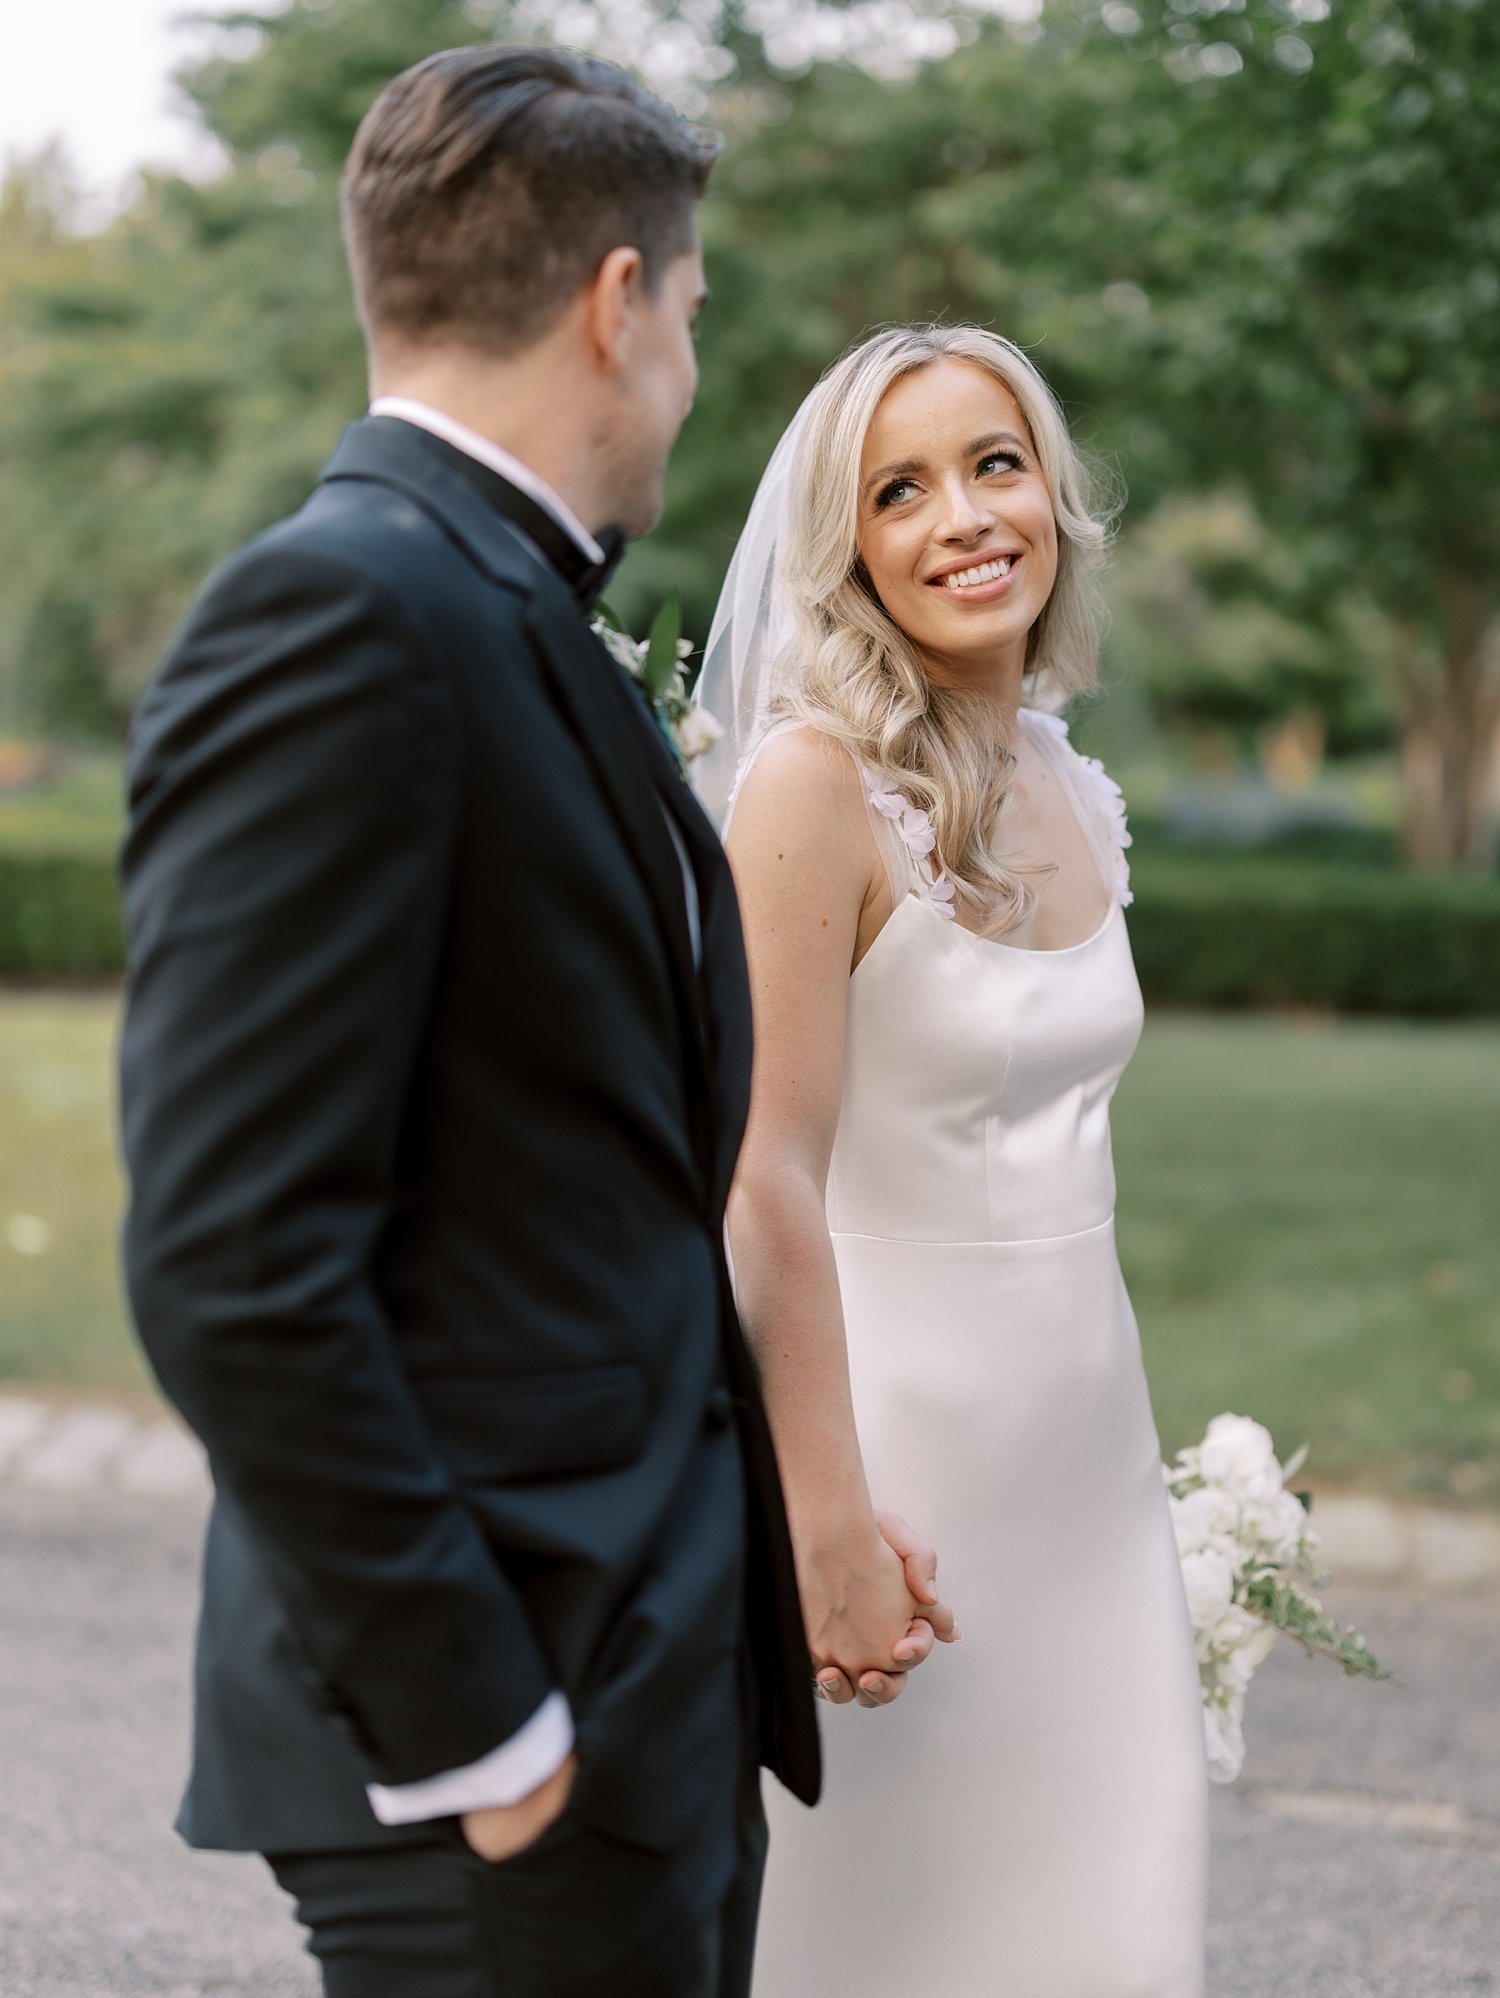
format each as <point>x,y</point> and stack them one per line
<point>639,512</point>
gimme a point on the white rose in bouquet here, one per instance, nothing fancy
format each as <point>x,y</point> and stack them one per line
<point>1250,1567</point>
<point>1240,1634</point>
<point>1208,1577</point>
<point>1279,1523</point>
<point>1207,1517</point>
<point>1224,1738</point>
<point>1239,1453</point>
<point>1236,1645</point>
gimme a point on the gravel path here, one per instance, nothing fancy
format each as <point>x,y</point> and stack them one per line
<point>1358,1858</point>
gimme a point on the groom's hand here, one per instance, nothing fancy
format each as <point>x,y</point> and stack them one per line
<point>933,1623</point>
<point>501,1834</point>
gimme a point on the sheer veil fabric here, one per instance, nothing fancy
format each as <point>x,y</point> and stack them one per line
<point>750,628</point>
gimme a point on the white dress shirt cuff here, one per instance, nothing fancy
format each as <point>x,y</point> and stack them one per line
<point>508,1773</point>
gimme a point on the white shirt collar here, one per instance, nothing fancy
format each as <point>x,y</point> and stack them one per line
<point>459,435</point>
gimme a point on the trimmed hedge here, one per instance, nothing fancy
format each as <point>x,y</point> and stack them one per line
<point>59,916</point>
<point>1209,928</point>
<point>1216,929</point>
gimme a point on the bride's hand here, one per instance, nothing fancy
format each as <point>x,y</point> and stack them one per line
<point>920,1562</point>
<point>873,1616</point>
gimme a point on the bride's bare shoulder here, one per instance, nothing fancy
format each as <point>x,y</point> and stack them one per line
<point>801,805</point>
<point>804,770</point>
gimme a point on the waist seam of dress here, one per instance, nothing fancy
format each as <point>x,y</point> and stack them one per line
<point>975,1242</point>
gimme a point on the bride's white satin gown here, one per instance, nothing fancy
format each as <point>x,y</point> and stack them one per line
<point>1029,1820</point>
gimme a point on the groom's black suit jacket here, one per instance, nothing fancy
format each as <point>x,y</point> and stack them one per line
<point>430,1121</point>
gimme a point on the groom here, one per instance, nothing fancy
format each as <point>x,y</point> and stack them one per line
<point>435,1067</point>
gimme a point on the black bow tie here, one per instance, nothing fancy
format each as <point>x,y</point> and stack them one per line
<point>546,532</point>
<point>584,578</point>
<point>592,582</point>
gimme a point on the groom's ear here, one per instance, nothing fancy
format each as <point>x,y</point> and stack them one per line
<point>612,303</point>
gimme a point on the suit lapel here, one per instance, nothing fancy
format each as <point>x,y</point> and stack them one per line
<point>619,740</point>
<point>724,988</point>
<point>725,982</point>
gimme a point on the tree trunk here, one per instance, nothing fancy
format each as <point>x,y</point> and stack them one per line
<point>1450,728</point>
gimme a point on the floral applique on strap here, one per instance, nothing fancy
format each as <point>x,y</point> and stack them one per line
<point>1105,797</point>
<point>915,828</point>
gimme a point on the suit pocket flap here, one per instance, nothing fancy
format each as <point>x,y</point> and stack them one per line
<point>496,1428</point>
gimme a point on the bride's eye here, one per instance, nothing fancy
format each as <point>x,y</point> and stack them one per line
<point>893,493</point>
<point>1009,458</point>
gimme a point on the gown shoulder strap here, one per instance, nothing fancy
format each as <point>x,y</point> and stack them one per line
<point>904,835</point>
<point>1097,798</point>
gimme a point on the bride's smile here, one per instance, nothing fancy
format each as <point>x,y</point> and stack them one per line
<point>956,529</point>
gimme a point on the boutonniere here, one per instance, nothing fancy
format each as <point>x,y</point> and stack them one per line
<point>656,664</point>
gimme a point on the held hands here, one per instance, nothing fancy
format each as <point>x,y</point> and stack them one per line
<point>503,1832</point>
<point>872,1618</point>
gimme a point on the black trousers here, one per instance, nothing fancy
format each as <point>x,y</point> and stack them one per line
<point>576,1915</point>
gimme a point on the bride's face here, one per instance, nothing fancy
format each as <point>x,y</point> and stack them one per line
<point>956,528</point>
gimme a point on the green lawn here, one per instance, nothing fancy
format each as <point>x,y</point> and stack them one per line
<point>61,1321</point>
<point>1307,1218</point>
<point>1310,1223</point>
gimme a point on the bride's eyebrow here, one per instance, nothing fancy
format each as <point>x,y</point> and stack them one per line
<point>994,437</point>
<point>903,468</point>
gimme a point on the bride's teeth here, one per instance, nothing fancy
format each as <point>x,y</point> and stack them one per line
<point>987,572</point>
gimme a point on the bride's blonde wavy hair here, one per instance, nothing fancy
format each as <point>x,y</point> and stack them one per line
<point>849,670</point>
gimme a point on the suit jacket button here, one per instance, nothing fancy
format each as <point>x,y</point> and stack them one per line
<point>718,1410</point>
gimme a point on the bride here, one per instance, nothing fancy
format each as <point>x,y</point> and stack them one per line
<point>933,884</point>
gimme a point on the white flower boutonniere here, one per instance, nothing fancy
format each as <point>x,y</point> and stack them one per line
<point>655,663</point>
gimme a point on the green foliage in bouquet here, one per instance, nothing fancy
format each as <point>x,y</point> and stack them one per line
<point>1280,1602</point>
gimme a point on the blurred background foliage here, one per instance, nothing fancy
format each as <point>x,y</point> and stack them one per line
<point>1255,246</point>
<point>1252,242</point>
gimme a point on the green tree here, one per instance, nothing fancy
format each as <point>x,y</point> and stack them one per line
<point>1252,242</point>
<point>1255,246</point>
<point>1211,611</point>
<point>1333,333</point>
<point>171,385</point>
<point>61,684</point>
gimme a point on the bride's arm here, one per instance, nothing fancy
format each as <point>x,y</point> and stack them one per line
<point>806,872</point>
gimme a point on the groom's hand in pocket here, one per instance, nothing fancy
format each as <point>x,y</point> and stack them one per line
<point>502,1833</point>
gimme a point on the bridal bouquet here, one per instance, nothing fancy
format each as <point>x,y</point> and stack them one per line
<point>1251,1567</point>
<point>656,663</point>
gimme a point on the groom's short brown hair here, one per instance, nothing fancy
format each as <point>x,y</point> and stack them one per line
<point>486,185</point>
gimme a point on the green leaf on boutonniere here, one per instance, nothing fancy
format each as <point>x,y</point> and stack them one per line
<point>661,648</point>
<point>604,615</point>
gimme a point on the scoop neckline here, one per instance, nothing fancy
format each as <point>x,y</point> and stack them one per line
<point>1030,950</point>
<point>993,943</point>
